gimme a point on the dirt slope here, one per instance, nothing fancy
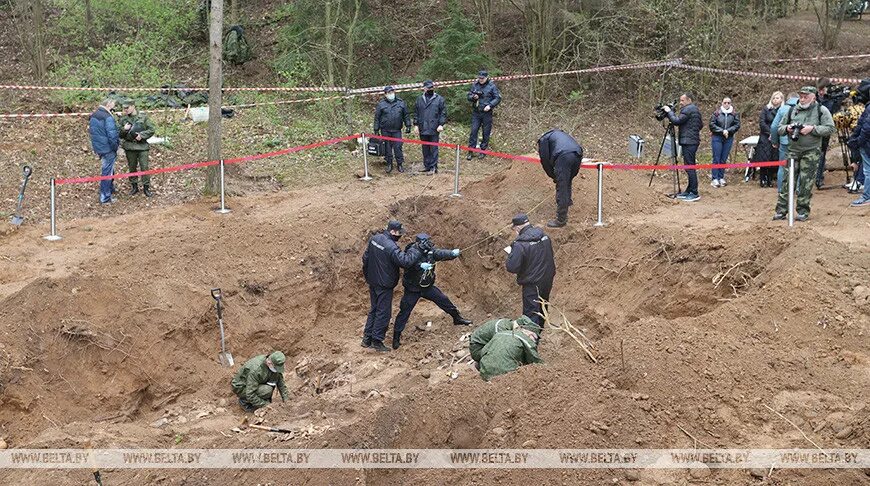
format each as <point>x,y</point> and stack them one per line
<point>109,336</point>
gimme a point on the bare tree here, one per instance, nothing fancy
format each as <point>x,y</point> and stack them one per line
<point>484,16</point>
<point>89,21</point>
<point>830,14</point>
<point>215,83</point>
<point>30,24</point>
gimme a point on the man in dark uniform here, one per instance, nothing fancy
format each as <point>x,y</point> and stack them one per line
<point>430,116</point>
<point>530,256</point>
<point>390,114</point>
<point>484,97</point>
<point>381,262</point>
<point>419,281</point>
<point>560,157</point>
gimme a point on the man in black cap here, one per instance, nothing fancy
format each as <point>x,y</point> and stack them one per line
<point>430,116</point>
<point>419,281</point>
<point>484,97</point>
<point>390,114</point>
<point>381,262</point>
<point>530,256</point>
<point>560,157</point>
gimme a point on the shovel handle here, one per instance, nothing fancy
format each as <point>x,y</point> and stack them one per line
<point>27,171</point>
<point>216,294</point>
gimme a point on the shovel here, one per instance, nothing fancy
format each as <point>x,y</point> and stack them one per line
<point>18,218</point>
<point>225,358</point>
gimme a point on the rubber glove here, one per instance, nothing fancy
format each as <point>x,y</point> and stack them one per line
<point>426,266</point>
<point>456,252</point>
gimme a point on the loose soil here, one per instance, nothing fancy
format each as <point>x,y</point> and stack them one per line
<point>109,337</point>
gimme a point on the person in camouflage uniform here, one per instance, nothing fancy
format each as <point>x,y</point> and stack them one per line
<point>236,48</point>
<point>255,382</point>
<point>136,129</point>
<point>809,121</point>
<point>502,345</point>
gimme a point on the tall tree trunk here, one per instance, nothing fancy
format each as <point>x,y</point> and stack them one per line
<point>234,12</point>
<point>327,41</point>
<point>39,41</point>
<point>89,21</point>
<point>215,83</point>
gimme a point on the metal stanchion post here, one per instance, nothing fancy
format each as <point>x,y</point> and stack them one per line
<point>791,192</point>
<point>365,150</point>
<point>600,192</point>
<point>53,236</point>
<point>456,176</point>
<point>223,209</point>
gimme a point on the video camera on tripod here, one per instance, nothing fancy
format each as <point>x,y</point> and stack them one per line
<point>659,110</point>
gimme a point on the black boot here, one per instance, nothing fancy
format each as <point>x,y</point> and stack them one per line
<point>389,166</point>
<point>134,189</point>
<point>469,156</point>
<point>458,320</point>
<point>147,191</point>
<point>401,168</point>
<point>379,346</point>
<point>397,341</point>
<point>366,342</point>
<point>557,223</point>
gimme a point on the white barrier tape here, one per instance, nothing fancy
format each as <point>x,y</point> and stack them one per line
<point>796,77</point>
<point>74,88</point>
<point>791,59</point>
<point>433,458</point>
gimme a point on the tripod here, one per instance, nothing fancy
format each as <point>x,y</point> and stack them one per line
<point>670,134</point>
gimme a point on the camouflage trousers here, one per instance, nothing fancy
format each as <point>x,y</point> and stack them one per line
<point>806,163</point>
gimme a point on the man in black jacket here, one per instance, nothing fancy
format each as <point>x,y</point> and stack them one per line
<point>530,256</point>
<point>560,157</point>
<point>381,262</point>
<point>484,97</point>
<point>390,114</point>
<point>833,105</point>
<point>430,116</point>
<point>690,123</point>
<point>419,281</point>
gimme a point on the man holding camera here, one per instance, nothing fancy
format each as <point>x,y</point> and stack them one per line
<point>390,114</point>
<point>136,129</point>
<point>560,157</point>
<point>689,122</point>
<point>419,282</point>
<point>806,124</point>
<point>484,97</point>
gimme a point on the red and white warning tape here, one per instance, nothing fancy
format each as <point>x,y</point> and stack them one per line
<point>796,77</point>
<point>789,59</point>
<point>145,89</point>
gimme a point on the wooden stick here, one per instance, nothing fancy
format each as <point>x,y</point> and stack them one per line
<point>795,426</point>
<point>722,278</point>
<point>693,438</point>
<point>622,353</point>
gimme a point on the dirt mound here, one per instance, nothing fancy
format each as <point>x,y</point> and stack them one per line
<point>110,337</point>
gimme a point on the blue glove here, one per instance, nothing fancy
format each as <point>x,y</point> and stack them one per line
<point>426,266</point>
<point>456,252</point>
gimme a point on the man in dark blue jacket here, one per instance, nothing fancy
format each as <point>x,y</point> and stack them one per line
<point>689,121</point>
<point>531,258</point>
<point>104,142</point>
<point>860,141</point>
<point>560,157</point>
<point>419,281</point>
<point>430,116</point>
<point>390,114</point>
<point>484,97</point>
<point>381,262</point>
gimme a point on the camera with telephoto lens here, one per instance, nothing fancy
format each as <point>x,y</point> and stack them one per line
<point>796,131</point>
<point>659,110</point>
<point>837,92</point>
<point>477,93</point>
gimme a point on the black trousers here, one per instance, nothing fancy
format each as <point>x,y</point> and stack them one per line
<point>430,152</point>
<point>531,308</point>
<point>480,119</point>
<point>393,148</point>
<point>566,168</point>
<point>689,153</point>
<point>379,312</point>
<point>409,300</point>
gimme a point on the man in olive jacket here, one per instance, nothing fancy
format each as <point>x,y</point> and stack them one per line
<point>136,129</point>
<point>502,345</point>
<point>806,124</point>
<point>255,382</point>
